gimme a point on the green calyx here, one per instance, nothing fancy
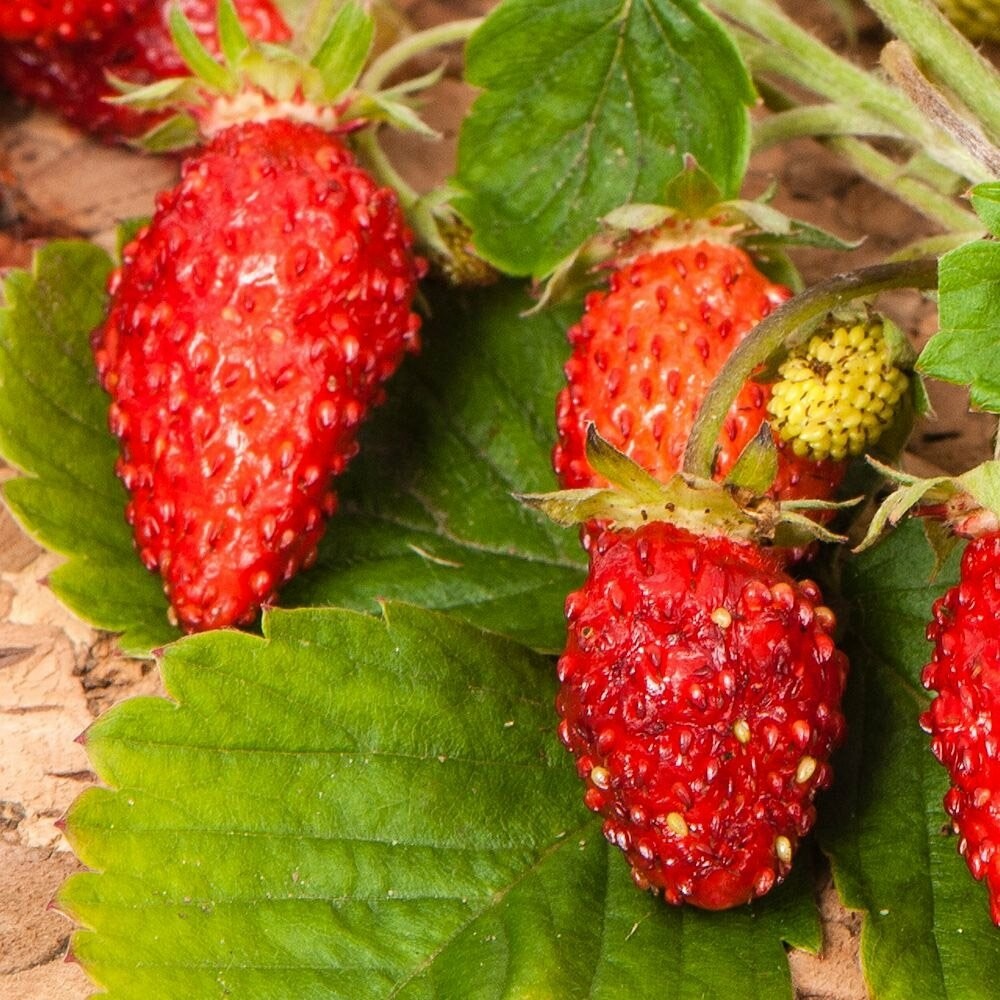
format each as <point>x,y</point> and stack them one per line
<point>736,508</point>
<point>692,211</point>
<point>835,395</point>
<point>951,507</point>
<point>316,78</point>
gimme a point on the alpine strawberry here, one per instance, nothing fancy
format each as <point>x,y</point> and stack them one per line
<point>700,693</point>
<point>72,79</point>
<point>964,717</point>
<point>251,327</point>
<point>645,353</point>
<point>45,21</point>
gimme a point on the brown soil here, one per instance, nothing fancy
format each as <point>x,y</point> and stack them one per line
<point>56,674</point>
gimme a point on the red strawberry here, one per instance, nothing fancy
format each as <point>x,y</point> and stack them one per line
<point>251,327</point>
<point>700,693</point>
<point>71,79</point>
<point>45,21</point>
<point>647,350</point>
<point>964,717</point>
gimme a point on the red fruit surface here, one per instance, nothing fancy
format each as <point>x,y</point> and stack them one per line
<point>964,717</point>
<point>71,80</point>
<point>251,327</point>
<point>645,353</point>
<point>700,693</point>
<point>45,21</point>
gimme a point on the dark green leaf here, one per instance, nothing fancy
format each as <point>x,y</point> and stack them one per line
<point>927,931</point>
<point>366,808</point>
<point>967,348</point>
<point>588,106</point>
<point>428,513</point>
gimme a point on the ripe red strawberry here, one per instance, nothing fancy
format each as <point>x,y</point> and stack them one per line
<point>71,79</point>
<point>964,717</point>
<point>645,353</point>
<point>45,21</point>
<point>251,327</point>
<point>700,693</point>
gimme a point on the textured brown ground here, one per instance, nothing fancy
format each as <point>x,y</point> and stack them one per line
<point>56,674</point>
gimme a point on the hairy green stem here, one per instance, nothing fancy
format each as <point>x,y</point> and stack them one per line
<point>772,42</point>
<point>816,120</point>
<point>423,41</point>
<point>371,151</point>
<point>946,56</point>
<point>932,202</point>
<point>889,175</point>
<point>778,330</point>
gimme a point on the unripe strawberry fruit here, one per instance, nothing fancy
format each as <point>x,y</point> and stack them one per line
<point>964,717</point>
<point>700,693</point>
<point>251,327</point>
<point>836,395</point>
<point>977,19</point>
<point>645,353</point>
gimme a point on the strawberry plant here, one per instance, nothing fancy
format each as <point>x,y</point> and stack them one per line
<point>363,794</point>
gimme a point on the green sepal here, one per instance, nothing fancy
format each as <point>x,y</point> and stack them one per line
<point>197,58</point>
<point>772,226</point>
<point>157,96</point>
<point>233,40</point>
<point>178,132</point>
<point>972,498</point>
<point>756,468</point>
<point>701,506</point>
<point>692,192</point>
<point>344,52</point>
<point>277,71</point>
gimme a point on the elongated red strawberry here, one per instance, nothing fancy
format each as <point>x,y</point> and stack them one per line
<point>72,79</point>
<point>700,686</point>
<point>964,717</point>
<point>253,323</point>
<point>646,351</point>
<point>44,21</point>
<point>251,327</point>
<point>700,693</point>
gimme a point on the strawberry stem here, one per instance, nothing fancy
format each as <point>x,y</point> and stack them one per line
<point>423,41</point>
<point>784,327</point>
<point>773,43</point>
<point>946,56</point>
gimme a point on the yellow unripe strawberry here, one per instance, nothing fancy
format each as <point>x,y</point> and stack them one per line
<point>836,394</point>
<point>976,19</point>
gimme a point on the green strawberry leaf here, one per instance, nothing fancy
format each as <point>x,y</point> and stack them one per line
<point>966,350</point>
<point>927,931</point>
<point>588,106</point>
<point>53,427</point>
<point>354,807</point>
<point>428,515</point>
<point>986,201</point>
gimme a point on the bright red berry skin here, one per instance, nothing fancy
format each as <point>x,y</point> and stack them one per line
<point>45,21</point>
<point>645,353</point>
<point>71,80</point>
<point>251,327</point>
<point>964,717</point>
<point>700,694</point>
